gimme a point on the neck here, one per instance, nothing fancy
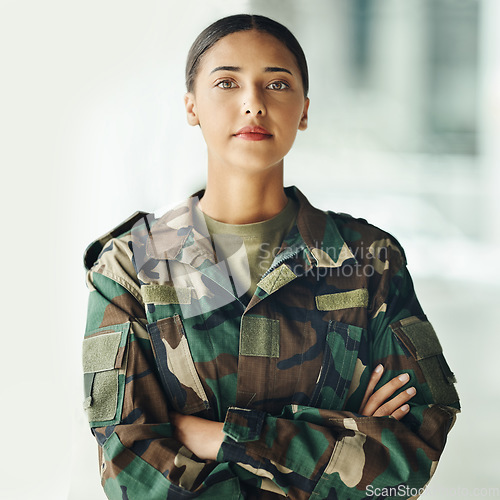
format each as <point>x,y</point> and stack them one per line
<point>244,197</point>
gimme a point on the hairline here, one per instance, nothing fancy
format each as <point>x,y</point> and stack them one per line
<point>304,77</point>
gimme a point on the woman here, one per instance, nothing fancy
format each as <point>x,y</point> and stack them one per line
<point>246,344</point>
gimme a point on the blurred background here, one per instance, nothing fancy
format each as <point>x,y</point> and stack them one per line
<point>404,130</point>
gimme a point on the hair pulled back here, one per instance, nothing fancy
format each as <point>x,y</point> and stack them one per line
<point>243,22</point>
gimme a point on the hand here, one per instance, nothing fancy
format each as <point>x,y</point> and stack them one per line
<point>202,437</point>
<point>379,404</point>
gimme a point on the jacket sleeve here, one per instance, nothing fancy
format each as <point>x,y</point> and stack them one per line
<point>315,453</point>
<point>125,405</point>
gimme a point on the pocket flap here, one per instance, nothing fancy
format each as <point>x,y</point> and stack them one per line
<point>104,349</point>
<point>341,351</point>
<point>104,379</point>
<point>418,336</point>
<point>176,367</point>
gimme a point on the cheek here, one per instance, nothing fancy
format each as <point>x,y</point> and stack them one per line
<point>218,114</point>
<point>214,127</point>
<point>291,114</point>
<point>291,124</point>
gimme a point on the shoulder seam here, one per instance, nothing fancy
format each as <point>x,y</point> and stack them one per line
<point>95,248</point>
<point>121,282</point>
<point>364,222</point>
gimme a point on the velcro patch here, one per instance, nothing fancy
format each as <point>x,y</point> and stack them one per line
<point>276,279</point>
<point>420,339</point>
<point>104,396</point>
<point>260,337</point>
<point>165,294</point>
<point>342,300</point>
<point>104,365</point>
<point>418,336</point>
<point>99,353</point>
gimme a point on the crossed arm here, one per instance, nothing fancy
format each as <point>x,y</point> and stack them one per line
<point>204,437</point>
<point>144,446</point>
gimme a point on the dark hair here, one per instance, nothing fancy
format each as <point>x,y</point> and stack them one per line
<point>243,22</point>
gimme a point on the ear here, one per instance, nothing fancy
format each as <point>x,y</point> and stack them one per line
<point>303,119</point>
<point>190,104</point>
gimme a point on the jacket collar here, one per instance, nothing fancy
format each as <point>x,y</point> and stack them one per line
<point>320,233</point>
<point>181,234</point>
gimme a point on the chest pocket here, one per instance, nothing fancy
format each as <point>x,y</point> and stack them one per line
<point>339,359</point>
<point>178,374</point>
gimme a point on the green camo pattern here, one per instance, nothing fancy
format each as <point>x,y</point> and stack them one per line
<point>285,372</point>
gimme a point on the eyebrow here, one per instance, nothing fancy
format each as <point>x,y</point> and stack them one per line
<point>268,69</point>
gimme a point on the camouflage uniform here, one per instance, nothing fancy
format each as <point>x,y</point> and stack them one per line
<point>286,372</point>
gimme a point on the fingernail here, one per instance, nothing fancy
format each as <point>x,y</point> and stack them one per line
<point>405,408</point>
<point>378,369</point>
<point>411,391</point>
<point>404,378</point>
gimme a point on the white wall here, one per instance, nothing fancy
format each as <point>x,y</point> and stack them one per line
<point>92,128</point>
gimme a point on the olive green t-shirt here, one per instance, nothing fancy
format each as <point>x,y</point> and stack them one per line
<point>249,249</point>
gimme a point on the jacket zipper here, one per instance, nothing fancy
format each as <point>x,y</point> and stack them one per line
<point>281,260</point>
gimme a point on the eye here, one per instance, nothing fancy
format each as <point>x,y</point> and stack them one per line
<point>226,84</point>
<point>279,85</point>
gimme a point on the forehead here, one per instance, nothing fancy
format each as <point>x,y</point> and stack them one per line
<point>248,48</point>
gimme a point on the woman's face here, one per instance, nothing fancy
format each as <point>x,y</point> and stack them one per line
<point>248,79</point>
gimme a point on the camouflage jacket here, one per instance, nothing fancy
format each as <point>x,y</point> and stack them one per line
<point>285,372</point>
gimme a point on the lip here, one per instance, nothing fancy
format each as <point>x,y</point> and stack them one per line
<point>253,133</point>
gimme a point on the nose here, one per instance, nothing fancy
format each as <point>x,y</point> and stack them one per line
<point>252,110</point>
<point>254,104</point>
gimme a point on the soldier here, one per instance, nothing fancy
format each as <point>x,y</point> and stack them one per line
<point>246,344</point>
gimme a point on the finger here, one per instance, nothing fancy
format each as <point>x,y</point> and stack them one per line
<point>384,393</point>
<point>374,379</point>
<point>401,412</point>
<point>395,403</point>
